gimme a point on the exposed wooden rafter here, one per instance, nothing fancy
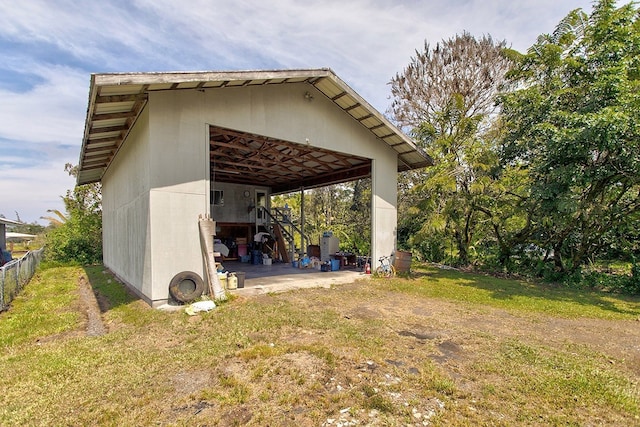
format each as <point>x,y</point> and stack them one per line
<point>241,157</point>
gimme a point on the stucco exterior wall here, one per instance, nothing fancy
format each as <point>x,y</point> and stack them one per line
<point>153,194</point>
<point>179,155</point>
<point>125,211</point>
<point>158,184</point>
<point>384,214</point>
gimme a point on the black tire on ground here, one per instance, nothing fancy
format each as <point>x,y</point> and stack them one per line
<point>186,286</point>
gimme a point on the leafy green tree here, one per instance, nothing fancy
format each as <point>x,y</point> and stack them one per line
<point>446,98</point>
<point>574,126</point>
<point>343,209</point>
<point>77,237</point>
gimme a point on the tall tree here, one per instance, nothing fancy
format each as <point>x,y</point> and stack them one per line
<point>446,98</point>
<point>574,125</point>
<point>463,65</point>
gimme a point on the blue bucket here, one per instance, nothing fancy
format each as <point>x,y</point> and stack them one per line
<point>335,264</point>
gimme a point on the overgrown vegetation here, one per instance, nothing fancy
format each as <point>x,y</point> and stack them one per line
<point>548,183</point>
<point>580,87</point>
<point>77,236</point>
<point>441,348</point>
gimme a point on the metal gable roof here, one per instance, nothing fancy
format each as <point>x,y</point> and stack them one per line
<point>116,100</point>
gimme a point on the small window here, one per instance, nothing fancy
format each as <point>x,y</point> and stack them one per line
<point>217,197</point>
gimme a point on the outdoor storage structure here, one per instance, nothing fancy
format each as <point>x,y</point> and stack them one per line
<point>169,147</point>
<point>3,231</point>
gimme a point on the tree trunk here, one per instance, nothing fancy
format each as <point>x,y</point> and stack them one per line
<point>557,257</point>
<point>463,248</point>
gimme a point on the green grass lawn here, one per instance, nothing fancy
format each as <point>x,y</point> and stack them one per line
<point>518,295</point>
<point>438,348</point>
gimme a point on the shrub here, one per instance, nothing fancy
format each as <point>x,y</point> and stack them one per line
<point>79,239</point>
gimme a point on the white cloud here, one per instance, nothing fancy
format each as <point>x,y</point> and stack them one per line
<point>365,41</point>
<point>31,191</point>
<point>52,111</point>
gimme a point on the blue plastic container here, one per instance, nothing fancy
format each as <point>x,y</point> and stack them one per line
<point>256,257</point>
<point>335,264</point>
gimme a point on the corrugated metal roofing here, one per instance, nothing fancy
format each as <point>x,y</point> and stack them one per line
<point>116,99</point>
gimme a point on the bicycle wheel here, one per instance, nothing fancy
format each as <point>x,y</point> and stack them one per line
<point>386,271</point>
<point>392,271</point>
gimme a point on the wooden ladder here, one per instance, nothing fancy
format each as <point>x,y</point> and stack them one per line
<point>282,246</point>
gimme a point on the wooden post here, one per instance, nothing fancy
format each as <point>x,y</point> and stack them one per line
<point>302,239</point>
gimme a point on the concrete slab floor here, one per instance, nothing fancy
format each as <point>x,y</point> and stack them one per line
<point>280,277</point>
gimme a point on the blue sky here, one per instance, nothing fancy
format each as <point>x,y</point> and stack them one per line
<point>49,48</point>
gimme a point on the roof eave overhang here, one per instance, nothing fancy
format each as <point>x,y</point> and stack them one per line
<point>6,221</point>
<point>116,100</point>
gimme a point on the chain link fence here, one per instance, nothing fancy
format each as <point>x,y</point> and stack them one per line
<point>17,273</point>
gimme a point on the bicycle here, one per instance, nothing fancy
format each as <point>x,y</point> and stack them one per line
<point>385,269</point>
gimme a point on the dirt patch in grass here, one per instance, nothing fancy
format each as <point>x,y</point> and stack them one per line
<point>90,308</point>
<point>451,327</point>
